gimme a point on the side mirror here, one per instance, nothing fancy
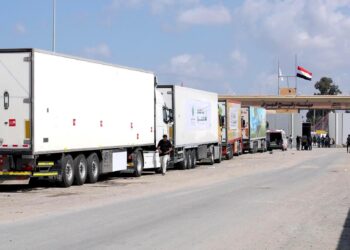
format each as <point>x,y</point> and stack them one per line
<point>222,121</point>
<point>165,115</point>
<point>6,100</point>
<point>171,115</point>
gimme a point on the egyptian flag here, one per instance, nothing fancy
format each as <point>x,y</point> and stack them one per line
<point>303,73</point>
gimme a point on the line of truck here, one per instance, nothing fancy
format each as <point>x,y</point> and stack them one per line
<point>72,119</point>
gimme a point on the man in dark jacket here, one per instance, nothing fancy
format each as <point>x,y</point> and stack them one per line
<point>164,147</point>
<point>347,144</point>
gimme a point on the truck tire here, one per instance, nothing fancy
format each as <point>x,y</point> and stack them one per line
<point>67,171</point>
<point>194,158</point>
<point>211,157</point>
<point>80,170</point>
<point>183,164</point>
<point>240,148</point>
<point>93,168</point>
<point>229,154</point>
<point>220,157</point>
<point>138,163</point>
<point>189,159</point>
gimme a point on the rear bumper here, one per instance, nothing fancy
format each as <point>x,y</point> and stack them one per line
<point>15,178</point>
<point>22,177</point>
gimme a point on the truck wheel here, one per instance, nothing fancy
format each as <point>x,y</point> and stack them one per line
<point>80,170</point>
<point>230,156</point>
<point>138,163</point>
<point>189,159</point>
<point>67,171</point>
<point>220,157</point>
<point>227,156</point>
<point>93,168</point>
<point>211,157</point>
<point>194,158</point>
<point>183,164</point>
<point>240,150</point>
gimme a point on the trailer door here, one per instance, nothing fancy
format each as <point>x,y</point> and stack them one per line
<point>15,79</point>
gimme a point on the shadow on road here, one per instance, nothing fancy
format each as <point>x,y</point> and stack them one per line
<point>344,241</point>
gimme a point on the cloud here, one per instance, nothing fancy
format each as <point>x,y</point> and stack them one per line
<point>315,30</point>
<point>117,4</point>
<point>102,50</point>
<point>158,6</point>
<point>206,15</point>
<point>193,70</point>
<point>20,29</point>
<point>239,60</point>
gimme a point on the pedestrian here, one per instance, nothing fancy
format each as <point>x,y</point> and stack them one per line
<point>298,142</point>
<point>347,144</point>
<point>164,148</point>
<point>314,140</point>
<point>290,141</point>
<point>328,141</point>
<point>322,141</point>
<point>318,141</point>
<point>309,142</point>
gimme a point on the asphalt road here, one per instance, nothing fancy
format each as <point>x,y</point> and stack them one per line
<point>301,206</point>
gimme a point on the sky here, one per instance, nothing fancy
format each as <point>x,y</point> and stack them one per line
<point>226,46</point>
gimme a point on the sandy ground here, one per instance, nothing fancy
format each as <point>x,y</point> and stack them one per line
<point>45,199</point>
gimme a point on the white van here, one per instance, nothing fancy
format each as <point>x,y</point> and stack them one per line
<point>276,139</point>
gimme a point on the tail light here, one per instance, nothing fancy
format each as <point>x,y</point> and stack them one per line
<point>27,168</point>
<point>2,162</point>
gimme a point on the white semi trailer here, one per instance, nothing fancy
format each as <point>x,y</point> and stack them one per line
<point>73,119</point>
<point>193,125</point>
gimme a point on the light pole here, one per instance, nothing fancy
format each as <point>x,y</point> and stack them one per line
<point>54,25</point>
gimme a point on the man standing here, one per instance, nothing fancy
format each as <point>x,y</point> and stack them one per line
<point>298,142</point>
<point>347,144</point>
<point>164,147</point>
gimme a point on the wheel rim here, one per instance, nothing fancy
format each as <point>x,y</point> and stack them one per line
<point>82,169</point>
<point>94,168</point>
<point>139,164</point>
<point>185,160</point>
<point>212,155</point>
<point>189,160</point>
<point>69,171</point>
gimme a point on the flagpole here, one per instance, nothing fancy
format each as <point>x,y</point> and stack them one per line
<point>278,77</point>
<point>296,78</point>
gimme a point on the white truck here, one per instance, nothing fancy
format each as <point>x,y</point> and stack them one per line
<point>73,119</point>
<point>193,125</point>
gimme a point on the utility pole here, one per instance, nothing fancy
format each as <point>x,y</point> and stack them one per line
<point>53,25</point>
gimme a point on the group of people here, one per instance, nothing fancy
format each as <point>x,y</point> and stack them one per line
<point>307,142</point>
<point>323,141</point>
<point>304,142</point>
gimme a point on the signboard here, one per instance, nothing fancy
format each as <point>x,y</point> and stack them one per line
<point>198,115</point>
<point>233,120</point>
<point>257,118</point>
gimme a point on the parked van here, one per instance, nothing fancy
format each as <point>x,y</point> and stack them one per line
<point>276,139</point>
